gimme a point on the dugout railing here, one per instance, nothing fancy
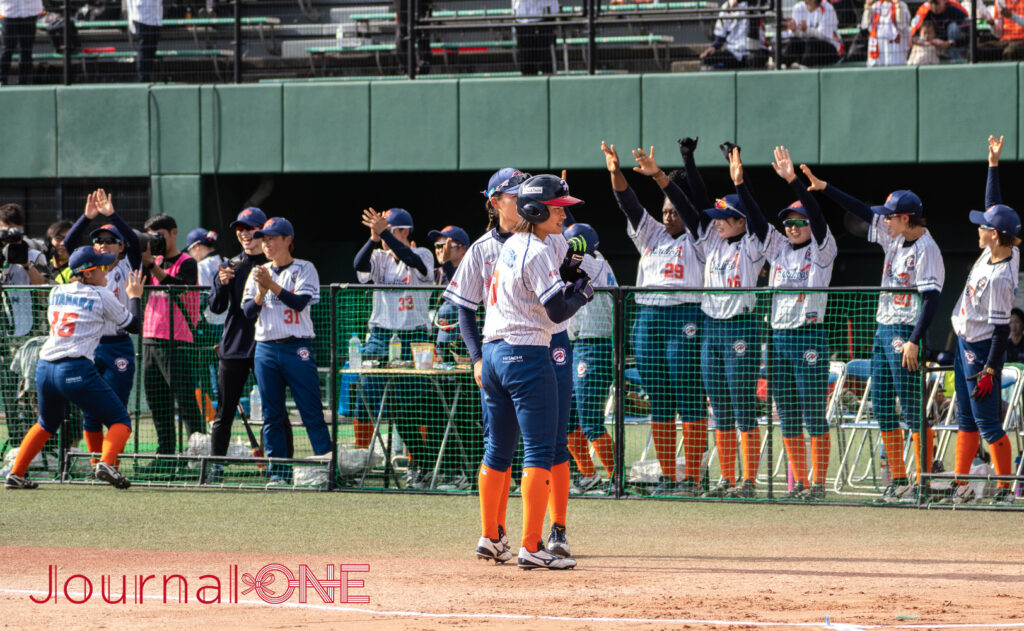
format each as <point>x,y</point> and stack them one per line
<point>399,427</point>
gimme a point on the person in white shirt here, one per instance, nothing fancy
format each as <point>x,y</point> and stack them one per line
<point>739,39</point>
<point>888,25</point>
<point>814,39</point>
<point>145,17</point>
<point>535,39</point>
<point>19,26</point>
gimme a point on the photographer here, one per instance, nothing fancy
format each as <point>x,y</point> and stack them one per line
<point>57,252</point>
<point>19,251</point>
<point>168,377</point>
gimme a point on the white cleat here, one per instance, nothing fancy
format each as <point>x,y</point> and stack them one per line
<point>558,544</point>
<point>110,475</point>
<point>492,550</point>
<point>544,560</point>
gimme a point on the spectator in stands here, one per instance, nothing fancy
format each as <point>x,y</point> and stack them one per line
<point>144,20</point>
<point>951,28</point>
<point>815,37</point>
<point>422,37</point>
<point>1015,345</point>
<point>34,269</point>
<point>888,24</point>
<point>926,46</point>
<point>739,40</point>
<point>1008,26</point>
<point>19,24</point>
<point>535,39</point>
<point>57,252</point>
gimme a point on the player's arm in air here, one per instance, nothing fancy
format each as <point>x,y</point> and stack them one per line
<point>848,203</point>
<point>698,192</point>
<point>132,251</point>
<point>783,166</point>
<point>993,195</point>
<point>756,223</point>
<point>690,214</point>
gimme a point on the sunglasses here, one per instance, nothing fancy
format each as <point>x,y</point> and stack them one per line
<point>796,223</point>
<point>244,228</point>
<point>106,240</point>
<point>89,269</point>
<point>438,246</point>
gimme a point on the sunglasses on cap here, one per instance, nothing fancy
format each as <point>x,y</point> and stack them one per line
<point>515,180</point>
<point>796,223</point>
<point>106,240</point>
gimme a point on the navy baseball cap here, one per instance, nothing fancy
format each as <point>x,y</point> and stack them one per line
<point>454,233</point>
<point>999,216</point>
<point>86,258</point>
<point>726,207</point>
<point>795,207</point>
<point>251,216</point>
<point>506,180</point>
<point>399,218</point>
<point>900,203</point>
<point>107,228</point>
<point>275,227</point>
<point>200,235</point>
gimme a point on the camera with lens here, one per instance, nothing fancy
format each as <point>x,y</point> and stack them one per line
<point>152,240</point>
<point>235,262</point>
<point>14,248</point>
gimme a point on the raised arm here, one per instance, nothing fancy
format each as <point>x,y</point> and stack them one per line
<point>756,222</point>
<point>132,251</point>
<point>848,203</point>
<point>624,195</point>
<point>404,252</point>
<point>687,211</point>
<point>783,166</point>
<point>698,192</point>
<point>74,236</point>
<point>992,193</point>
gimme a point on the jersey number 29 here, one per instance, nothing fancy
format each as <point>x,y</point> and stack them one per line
<point>674,270</point>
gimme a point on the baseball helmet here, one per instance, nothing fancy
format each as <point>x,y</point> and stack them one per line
<point>583,230</point>
<point>539,192</point>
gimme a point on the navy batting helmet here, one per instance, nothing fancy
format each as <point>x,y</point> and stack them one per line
<point>583,230</point>
<point>539,192</point>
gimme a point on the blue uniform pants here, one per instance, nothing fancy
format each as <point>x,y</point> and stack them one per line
<point>592,358</point>
<point>973,415</point>
<point>730,366</point>
<point>77,381</point>
<point>800,379</point>
<point>889,379</point>
<point>289,364</point>
<point>521,395</point>
<point>561,359</point>
<point>667,343</point>
<point>115,363</point>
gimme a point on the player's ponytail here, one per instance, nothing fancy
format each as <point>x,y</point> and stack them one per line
<point>492,214</point>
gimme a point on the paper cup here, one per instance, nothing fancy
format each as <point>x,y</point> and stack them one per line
<point>423,356</point>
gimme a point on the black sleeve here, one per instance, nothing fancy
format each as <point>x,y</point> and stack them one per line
<point>997,353</point>
<point>687,211</point>
<point>630,205</point>
<point>251,310</point>
<point>131,242</point>
<point>755,218</point>
<point>363,256</point>
<point>819,227</point>
<point>73,238</point>
<point>992,193</point>
<point>403,252</point>
<point>563,304</point>
<point>447,272</point>
<point>220,295</point>
<point>929,307</point>
<point>188,274</point>
<point>135,308</point>
<point>293,300</point>
<point>470,333</point>
<point>698,192</point>
<point>850,204</point>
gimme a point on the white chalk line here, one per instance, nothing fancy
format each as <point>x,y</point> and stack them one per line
<point>836,626</point>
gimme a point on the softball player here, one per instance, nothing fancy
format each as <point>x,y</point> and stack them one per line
<point>278,296</point>
<point>800,258</point>
<point>667,331</point>
<point>79,313</point>
<point>526,298</point>
<point>402,313</point>
<point>889,36</point>
<point>591,331</point>
<point>981,321</point>
<point>115,354</point>
<point>912,259</point>
<point>201,244</point>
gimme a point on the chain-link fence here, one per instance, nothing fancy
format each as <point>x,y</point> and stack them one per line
<point>666,403</point>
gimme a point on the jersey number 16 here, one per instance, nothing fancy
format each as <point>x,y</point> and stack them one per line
<point>62,324</point>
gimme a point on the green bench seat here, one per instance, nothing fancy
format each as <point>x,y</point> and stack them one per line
<point>84,25</point>
<point>387,16</point>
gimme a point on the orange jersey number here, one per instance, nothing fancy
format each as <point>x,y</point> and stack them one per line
<point>62,324</point>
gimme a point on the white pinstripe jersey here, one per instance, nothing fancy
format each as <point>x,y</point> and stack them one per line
<point>525,277</point>
<point>987,297</point>
<point>209,271</point>
<point>117,283</point>
<point>666,261</point>
<point>888,22</point>
<point>399,310</point>
<point>78,314</point>
<point>917,265</point>
<point>472,279</point>
<point>277,321</point>
<point>596,318</point>
<point>726,264</point>
<point>809,266</point>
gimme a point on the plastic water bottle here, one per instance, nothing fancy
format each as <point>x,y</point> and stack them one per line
<point>395,349</point>
<point>255,405</point>
<point>355,357</point>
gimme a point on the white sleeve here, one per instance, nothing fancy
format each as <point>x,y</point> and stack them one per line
<point>1000,300</point>
<point>307,282</point>
<point>466,288</point>
<point>367,277</point>
<point>645,233</point>
<point>428,262</point>
<point>113,310</point>
<point>878,233</point>
<point>930,271</point>
<point>827,251</point>
<point>540,274</point>
<point>773,244</point>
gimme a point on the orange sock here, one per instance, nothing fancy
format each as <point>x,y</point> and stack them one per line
<point>751,443</point>
<point>821,447</point>
<point>363,431</point>
<point>726,443</point>
<point>694,437</point>
<point>665,446</point>
<point>929,440</point>
<point>31,445</point>
<point>506,485</point>
<point>893,441</point>
<point>581,453</point>
<point>1001,456</point>
<point>966,447</point>
<point>796,451</point>
<point>491,482</point>
<point>94,443</point>
<point>114,442</point>
<point>536,490</point>
<point>558,501</point>
<point>605,448</point>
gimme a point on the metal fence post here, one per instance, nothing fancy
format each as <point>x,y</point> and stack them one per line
<point>619,380</point>
<point>778,40</point>
<point>410,39</point>
<point>332,383</point>
<point>591,8</point>
<point>67,43</point>
<point>770,439</point>
<point>238,41</point>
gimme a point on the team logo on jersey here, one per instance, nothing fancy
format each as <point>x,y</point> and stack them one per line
<point>508,257</point>
<point>121,363</point>
<point>739,347</point>
<point>897,344</point>
<point>982,283</point>
<point>971,357</point>
<point>811,356</point>
<point>559,356</point>
<point>690,329</point>
<point>910,261</point>
<point>581,369</point>
<point>304,354</point>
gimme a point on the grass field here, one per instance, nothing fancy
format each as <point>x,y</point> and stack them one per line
<point>641,564</point>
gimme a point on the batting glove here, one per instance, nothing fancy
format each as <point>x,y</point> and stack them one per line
<point>578,245</point>
<point>727,148</point>
<point>687,146</point>
<point>585,287</point>
<point>570,270</point>
<point>983,387</point>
